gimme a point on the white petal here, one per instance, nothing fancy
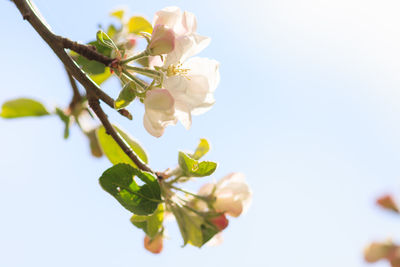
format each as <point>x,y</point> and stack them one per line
<point>159,111</point>
<point>182,112</point>
<point>205,67</point>
<point>186,46</point>
<point>232,207</point>
<point>190,90</point>
<point>216,240</point>
<point>189,22</point>
<point>206,189</point>
<point>169,16</point>
<point>233,194</point>
<point>154,130</point>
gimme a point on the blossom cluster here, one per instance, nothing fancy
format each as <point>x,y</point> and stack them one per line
<point>189,82</point>
<point>183,84</point>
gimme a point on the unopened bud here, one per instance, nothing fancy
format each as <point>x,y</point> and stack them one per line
<point>154,245</point>
<point>162,41</point>
<point>221,222</point>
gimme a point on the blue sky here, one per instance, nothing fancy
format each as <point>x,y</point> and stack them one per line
<point>308,108</point>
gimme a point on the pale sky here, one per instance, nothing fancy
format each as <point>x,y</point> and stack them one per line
<point>307,108</point>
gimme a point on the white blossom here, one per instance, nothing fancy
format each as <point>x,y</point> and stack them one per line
<point>191,81</point>
<point>232,194</point>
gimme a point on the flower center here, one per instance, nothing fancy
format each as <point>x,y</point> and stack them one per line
<point>177,69</point>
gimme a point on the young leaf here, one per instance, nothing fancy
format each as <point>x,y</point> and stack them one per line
<point>105,40</point>
<point>119,14</point>
<point>195,230</point>
<point>150,224</point>
<point>102,77</point>
<point>138,24</point>
<point>22,107</point>
<point>66,119</point>
<point>119,182</point>
<point>194,168</point>
<point>113,151</point>
<point>95,148</point>
<point>201,149</point>
<point>126,96</point>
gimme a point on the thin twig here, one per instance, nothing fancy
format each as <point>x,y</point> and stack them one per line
<point>76,97</point>
<point>94,93</point>
<point>95,105</point>
<point>28,12</point>
<point>88,51</point>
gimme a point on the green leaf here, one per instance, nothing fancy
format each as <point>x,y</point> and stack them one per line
<point>139,24</point>
<point>105,40</point>
<point>119,182</point>
<point>195,230</point>
<point>66,119</point>
<point>119,14</point>
<point>194,168</point>
<point>201,149</point>
<point>126,96</point>
<point>92,67</point>
<point>112,150</point>
<point>150,224</point>
<point>22,107</point>
<point>111,31</point>
<point>102,77</point>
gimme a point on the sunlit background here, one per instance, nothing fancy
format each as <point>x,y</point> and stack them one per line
<point>308,108</point>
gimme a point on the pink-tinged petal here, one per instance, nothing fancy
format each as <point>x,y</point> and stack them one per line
<point>229,205</point>
<point>159,111</point>
<point>233,195</point>
<point>162,40</point>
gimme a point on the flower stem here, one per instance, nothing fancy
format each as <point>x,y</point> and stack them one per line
<point>145,71</point>
<point>135,57</point>
<point>205,199</point>
<point>137,81</point>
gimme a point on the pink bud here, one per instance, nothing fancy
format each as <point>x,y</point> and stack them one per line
<point>162,40</point>
<point>387,202</point>
<point>221,222</point>
<point>154,245</point>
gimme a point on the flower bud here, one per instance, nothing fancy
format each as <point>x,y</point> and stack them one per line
<point>221,222</point>
<point>162,41</point>
<point>154,245</point>
<point>387,202</point>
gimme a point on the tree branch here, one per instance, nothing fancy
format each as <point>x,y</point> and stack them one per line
<point>76,97</point>
<point>95,105</point>
<point>87,51</point>
<point>94,93</point>
<point>56,44</point>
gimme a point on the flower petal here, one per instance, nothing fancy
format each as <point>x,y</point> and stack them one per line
<point>159,111</point>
